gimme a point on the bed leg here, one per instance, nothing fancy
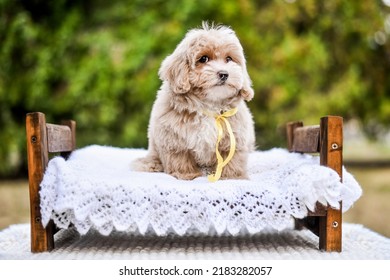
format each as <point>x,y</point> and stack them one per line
<point>42,239</point>
<point>331,155</point>
<point>331,231</point>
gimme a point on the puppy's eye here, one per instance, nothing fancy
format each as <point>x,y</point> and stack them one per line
<point>203,59</point>
<point>228,59</point>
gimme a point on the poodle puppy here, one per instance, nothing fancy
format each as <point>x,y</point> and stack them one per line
<point>200,123</point>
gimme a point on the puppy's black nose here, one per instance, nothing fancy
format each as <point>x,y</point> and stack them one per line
<point>223,75</point>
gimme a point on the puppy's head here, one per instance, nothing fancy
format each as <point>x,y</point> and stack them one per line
<point>208,62</point>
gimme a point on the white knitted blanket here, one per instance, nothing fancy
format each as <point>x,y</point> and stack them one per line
<point>95,188</point>
<point>359,243</point>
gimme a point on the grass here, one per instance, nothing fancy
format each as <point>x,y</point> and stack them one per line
<point>15,203</point>
<point>372,209</point>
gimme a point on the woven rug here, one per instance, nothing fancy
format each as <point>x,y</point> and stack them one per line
<point>359,243</point>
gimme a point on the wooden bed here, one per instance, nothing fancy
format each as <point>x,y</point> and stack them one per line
<point>326,139</point>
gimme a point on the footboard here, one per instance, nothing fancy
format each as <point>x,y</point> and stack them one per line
<point>42,139</point>
<point>327,140</point>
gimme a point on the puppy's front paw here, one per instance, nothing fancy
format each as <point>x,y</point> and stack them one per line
<point>186,176</point>
<point>234,172</point>
<point>147,164</point>
<point>241,176</point>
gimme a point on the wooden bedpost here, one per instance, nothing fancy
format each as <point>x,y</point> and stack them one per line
<point>42,239</point>
<point>331,155</point>
<point>42,139</point>
<point>72,125</point>
<point>291,126</point>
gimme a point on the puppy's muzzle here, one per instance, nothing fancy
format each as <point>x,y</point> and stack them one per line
<point>223,76</point>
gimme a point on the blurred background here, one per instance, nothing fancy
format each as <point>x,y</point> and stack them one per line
<point>96,62</point>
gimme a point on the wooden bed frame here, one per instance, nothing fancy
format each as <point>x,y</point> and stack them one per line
<point>326,139</point>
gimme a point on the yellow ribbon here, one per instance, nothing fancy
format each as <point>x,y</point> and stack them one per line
<point>221,163</point>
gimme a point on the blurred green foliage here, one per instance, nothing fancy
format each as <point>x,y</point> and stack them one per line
<point>97,62</point>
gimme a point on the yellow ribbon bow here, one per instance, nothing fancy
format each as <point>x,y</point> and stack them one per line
<point>221,163</point>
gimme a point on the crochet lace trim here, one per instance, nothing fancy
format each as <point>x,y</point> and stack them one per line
<point>95,188</point>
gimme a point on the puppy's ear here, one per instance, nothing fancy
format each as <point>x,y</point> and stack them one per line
<point>175,69</point>
<point>247,90</point>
